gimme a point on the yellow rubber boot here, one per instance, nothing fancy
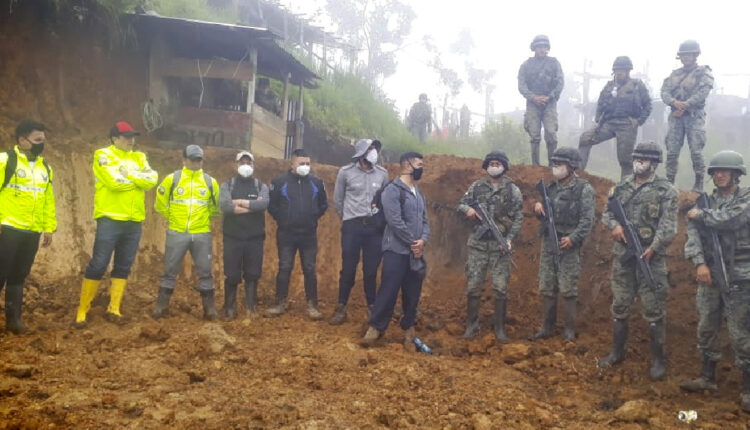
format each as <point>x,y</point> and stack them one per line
<point>88,292</point>
<point>116,291</point>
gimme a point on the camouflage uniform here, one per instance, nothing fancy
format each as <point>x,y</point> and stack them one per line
<point>692,86</point>
<point>729,215</point>
<point>619,112</point>
<point>653,212</point>
<point>420,120</point>
<point>573,205</point>
<point>506,203</point>
<point>541,76</point>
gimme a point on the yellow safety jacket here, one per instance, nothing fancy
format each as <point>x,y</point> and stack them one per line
<point>122,179</point>
<point>27,202</point>
<point>189,204</point>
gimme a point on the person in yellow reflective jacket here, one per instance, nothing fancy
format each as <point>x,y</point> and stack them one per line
<point>27,212</point>
<point>122,178</point>
<point>188,199</point>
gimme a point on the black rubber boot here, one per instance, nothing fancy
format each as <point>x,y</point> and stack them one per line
<point>251,297</point>
<point>745,397</point>
<point>472,317</point>
<point>569,311</point>
<point>698,186</point>
<point>13,306</point>
<point>230,301</point>
<point>549,317</point>
<point>619,338</point>
<point>209,311</point>
<point>707,380</point>
<point>657,330</point>
<point>339,315</point>
<point>535,153</point>
<point>162,303</point>
<point>500,308</point>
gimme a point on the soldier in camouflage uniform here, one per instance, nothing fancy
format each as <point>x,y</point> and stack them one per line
<point>650,203</point>
<point>572,199</point>
<point>624,105</point>
<point>502,198</point>
<point>540,82</point>
<point>420,119</point>
<point>685,91</point>
<point>729,216</point>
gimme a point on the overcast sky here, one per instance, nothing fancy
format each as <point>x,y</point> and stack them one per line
<point>598,31</point>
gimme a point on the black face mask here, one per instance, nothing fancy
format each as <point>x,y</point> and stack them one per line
<point>36,148</point>
<point>417,173</point>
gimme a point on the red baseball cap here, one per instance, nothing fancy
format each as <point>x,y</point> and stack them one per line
<point>122,128</point>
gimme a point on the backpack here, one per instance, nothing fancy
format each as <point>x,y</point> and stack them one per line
<point>378,218</point>
<point>10,168</point>
<point>206,177</point>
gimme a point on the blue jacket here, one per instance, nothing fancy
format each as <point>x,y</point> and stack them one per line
<point>407,222</point>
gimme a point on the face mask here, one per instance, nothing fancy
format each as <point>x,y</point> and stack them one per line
<point>417,173</point>
<point>372,156</point>
<point>37,148</point>
<point>245,170</point>
<point>640,167</point>
<point>303,170</point>
<point>495,171</point>
<point>560,172</point>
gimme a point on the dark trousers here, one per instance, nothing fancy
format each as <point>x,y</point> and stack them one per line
<point>242,258</point>
<point>288,243</point>
<point>358,237</point>
<point>17,252</point>
<point>396,275</point>
<point>118,237</point>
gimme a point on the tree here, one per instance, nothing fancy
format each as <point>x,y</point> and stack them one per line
<point>377,27</point>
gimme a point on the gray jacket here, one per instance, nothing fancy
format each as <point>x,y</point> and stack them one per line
<point>404,223</point>
<point>355,189</point>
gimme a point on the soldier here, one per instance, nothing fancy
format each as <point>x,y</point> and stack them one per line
<point>420,118</point>
<point>624,105</point>
<point>540,81</point>
<point>728,216</point>
<point>503,199</point>
<point>650,203</point>
<point>572,199</point>
<point>685,91</point>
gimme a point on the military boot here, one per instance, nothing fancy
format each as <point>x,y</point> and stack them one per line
<point>549,315</point>
<point>745,396</point>
<point>251,297</point>
<point>162,303</point>
<point>312,310</point>
<point>209,311</point>
<point>339,315</point>
<point>706,381</point>
<point>535,153</point>
<point>658,364</point>
<point>13,306</point>
<point>698,186</point>
<point>619,337</point>
<point>472,317</point>
<point>569,311</point>
<point>230,301</point>
<point>499,323</point>
<point>409,335</point>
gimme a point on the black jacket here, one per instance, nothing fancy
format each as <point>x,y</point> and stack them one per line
<point>297,202</point>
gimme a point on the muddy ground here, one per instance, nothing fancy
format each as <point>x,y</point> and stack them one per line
<point>289,372</point>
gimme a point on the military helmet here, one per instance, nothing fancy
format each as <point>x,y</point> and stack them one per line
<point>568,155</point>
<point>540,39</point>
<point>649,150</point>
<point>689,47</point>
<point>362,145</point>
<point>622,63</point>
<point>727,160</point>
<point>496,156</point>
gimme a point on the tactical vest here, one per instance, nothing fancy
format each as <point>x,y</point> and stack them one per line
<point>626,103</point>
<point>567,205</point>
<point>498,203</point>
<point>540,75</point>
<point>644,208</point>
<point>735,244</point>
<point>684,82</point>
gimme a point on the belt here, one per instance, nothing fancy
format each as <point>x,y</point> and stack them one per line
<point>364,220</point>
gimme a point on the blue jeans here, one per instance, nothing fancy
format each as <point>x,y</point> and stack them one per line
<point>396,275</point>
<point>120,237</point>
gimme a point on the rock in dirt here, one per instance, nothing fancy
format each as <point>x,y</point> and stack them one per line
<point>214,340</point>
<point>634,410</point>
<point>481,422</point>
<point>20,370</point>
<point>515,352</point>
<point>154,333</point>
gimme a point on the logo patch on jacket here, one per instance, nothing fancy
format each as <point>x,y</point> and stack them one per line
<point>202,192</point>
<point>180,190</point>
<point>103,161</point>
<point>21,173</point>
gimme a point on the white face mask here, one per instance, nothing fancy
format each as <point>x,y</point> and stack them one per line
<point>641,167</point>
<point>303,170</point>
<point>495,171</point>
<point>372,156</point>
<point>560,172</point>
<point>245,170</point>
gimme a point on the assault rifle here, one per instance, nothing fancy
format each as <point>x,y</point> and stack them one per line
<point>554,241</point>
<point>633,242</point>
<point>488,224</point>
<point>718,254</point>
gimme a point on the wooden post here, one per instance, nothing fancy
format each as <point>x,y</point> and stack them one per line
<point>285,99</point>
<point>251,82</point>
<point>298,140</point>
